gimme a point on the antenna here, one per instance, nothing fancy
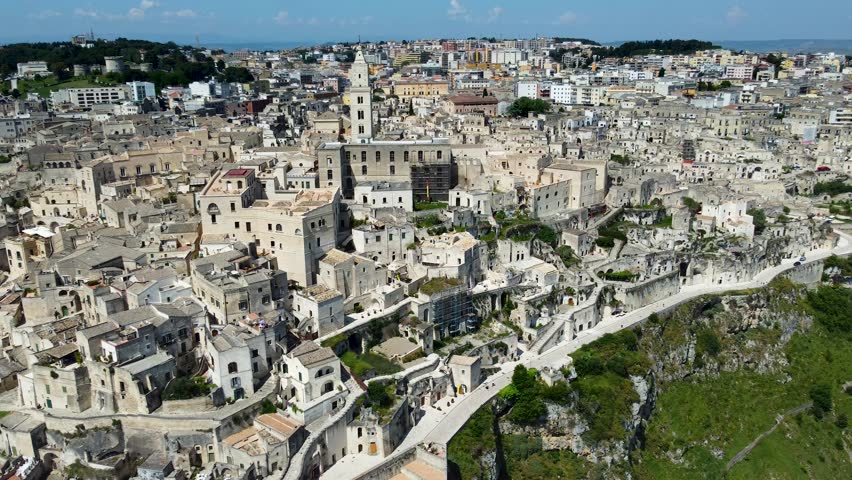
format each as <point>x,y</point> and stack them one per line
<point>91,34</point>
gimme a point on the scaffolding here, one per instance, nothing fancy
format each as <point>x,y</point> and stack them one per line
<point>452,312</point>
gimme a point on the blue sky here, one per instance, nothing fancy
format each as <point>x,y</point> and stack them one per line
<point>330,20</point>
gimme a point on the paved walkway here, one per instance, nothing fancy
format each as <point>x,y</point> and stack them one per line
<point>441,425</point>
<point>780,418</point>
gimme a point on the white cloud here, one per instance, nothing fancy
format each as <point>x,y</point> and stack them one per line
<point>567,18</point>
<point>736,14</point>
<point>136,14</point>
<point>80,12</point>
<point>184,13</point>
<point>146,4</point>
<point>45,14</point>
<point>494,14</point>
<point>282,17</point>
<point>456,9</point>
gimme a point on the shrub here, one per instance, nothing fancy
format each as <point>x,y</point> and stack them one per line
<point>821,396</point>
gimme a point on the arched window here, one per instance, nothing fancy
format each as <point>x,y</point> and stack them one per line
<point>278,227</point>
<point>232,367</point>
<point>363,169</point>
<point>378,156</point>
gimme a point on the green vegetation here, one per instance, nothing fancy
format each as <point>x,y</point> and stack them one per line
<point>43,86</point>
<point>703,416</point>
<point>660,47</point>
<point>171,64</point>
<point>5,159</point>
<point>832,188</point>
<point>363,363</point>
<point>381,396</point>
<point>567,255</point>
<point>522,228</point>
<point>471,442</point>
<point>831,306</point>
<point>334,341</point>
<point>745,403</point>
<point>439,284</point>
<point>604,390</point>
<point>267,407</point>
<point>842,264</point>
<point>759,219</point>
<point>184,388</point>
<point>3,413</point>
<point>693,206</point>
<point>622,276</point>
<point>622,159</point>
<point>421,206</point>
<point>524,105</point>
<point>427,221</point>
<point>712,87</point>
<point>665,222</point>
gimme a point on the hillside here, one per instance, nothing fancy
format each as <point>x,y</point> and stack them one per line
<point>684,396</point>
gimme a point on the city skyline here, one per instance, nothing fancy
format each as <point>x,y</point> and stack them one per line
<point>270,21</point>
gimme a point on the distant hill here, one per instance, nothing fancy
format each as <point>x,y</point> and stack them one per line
<point>791,46</point>
<point>646,47</point>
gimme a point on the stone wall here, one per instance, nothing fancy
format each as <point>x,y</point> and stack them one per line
<point>193,405</point>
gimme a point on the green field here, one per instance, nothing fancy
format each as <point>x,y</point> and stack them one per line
<point>702,421</point>
<point>44,86</point>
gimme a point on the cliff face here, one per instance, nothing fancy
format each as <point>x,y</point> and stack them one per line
<point>699,341</point>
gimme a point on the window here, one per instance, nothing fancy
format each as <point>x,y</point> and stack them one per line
<point>420,155</point>
<point>232,367</point>
<point>138,170</point>
<point>152,168</point>
<point>404,156</point>
<point>360,128</point>
<point>168,167</point>
<point>233,206</point>
<point>123,172</point>
<point>390,237</point>
<point>248,226</point>
<point>393,169</point>
<point>330,175</point>
<point>440,154</point>
<point>269,227</point>
<point>364,156</point>
<point>378,156</point>
<point>392,156</point>
<point>243,305</point>
<point>254,353</point>
<point>363,169</point>
<point>235,382</point>
<point>237,225</point>
<point>278,227</point>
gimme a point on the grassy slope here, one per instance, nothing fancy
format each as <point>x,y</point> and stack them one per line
<point>727,413</point>
<point>722,414</point>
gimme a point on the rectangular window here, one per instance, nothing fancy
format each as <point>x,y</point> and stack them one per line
<point>233,206</point>
<point>440,154</point>
<point>237,225</point>
<point>248,226</point>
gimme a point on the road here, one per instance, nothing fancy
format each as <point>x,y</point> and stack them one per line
<point>440,426</point>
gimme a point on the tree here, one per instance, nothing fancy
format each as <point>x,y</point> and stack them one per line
<point>220,65</point>
<point>524,105</point>
<point>411,108</point>
<point>484,92</point>
<point>821,396</point>
<point>662,72</point>
<point>15,93</point>
<point>842,421</point>
<point>759,219</point>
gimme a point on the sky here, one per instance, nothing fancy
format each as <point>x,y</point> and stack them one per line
<point>344,20</point>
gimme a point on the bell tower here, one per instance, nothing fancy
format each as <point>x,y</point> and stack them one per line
<point>360,99</point>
